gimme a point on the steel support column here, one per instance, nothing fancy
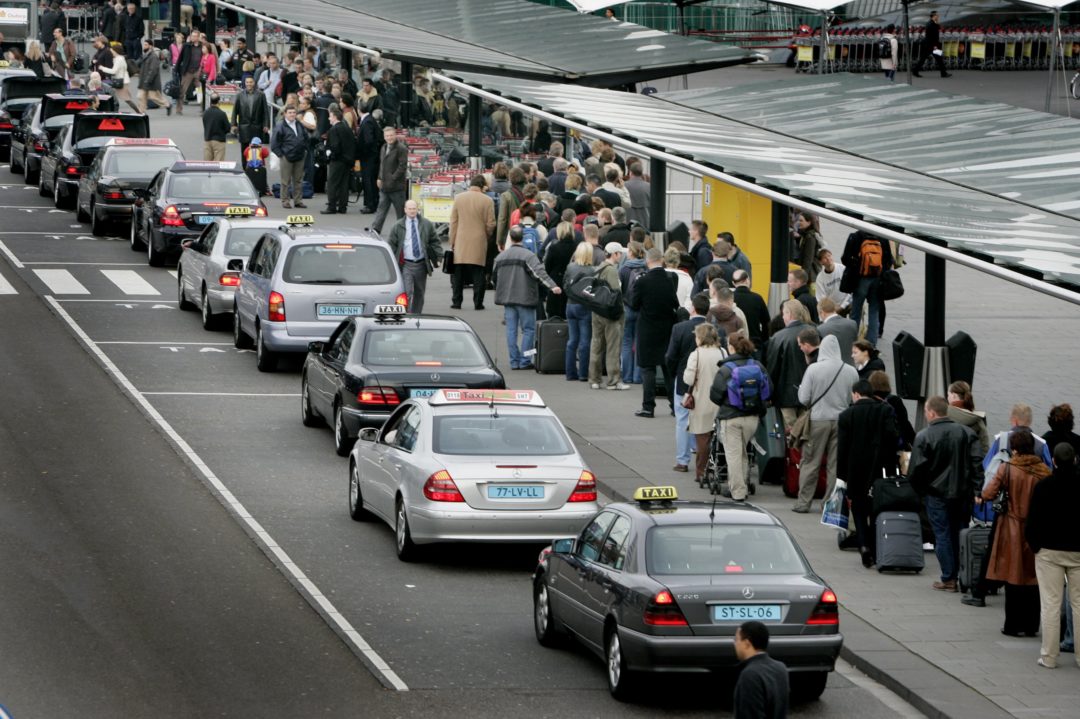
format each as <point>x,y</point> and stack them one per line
<point>935,374</point>
<point>345,59</point>
<point>657,196</point>
<point>405,93</point>
<point>210,24</point>
<point>251,28</point>
<point>476,160</point>
<point>778,258</point>
<point>1055,48</point>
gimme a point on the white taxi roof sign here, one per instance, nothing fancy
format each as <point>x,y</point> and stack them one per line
<point>154,141</point>
<point>196,165</point>
<point>655,494</point>
<point>237,211</point>
<point>300,220</point>
<point>525,397</point>
<point>389,310</point>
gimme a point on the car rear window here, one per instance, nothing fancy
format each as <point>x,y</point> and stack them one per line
<point>339,264</point>
<point>422,347</point>
<point>241,241</point>
<point>210,187</point>
<point>140,163</point>
<point>505,434</point>
<point>721,549</point>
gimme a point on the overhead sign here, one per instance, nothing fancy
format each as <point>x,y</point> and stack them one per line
<point>14,15</point>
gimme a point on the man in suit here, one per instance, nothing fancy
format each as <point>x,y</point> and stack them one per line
<point>472,220</point>
<point>754,309</point>
<point>341,149</point>
<point>653,297</point>
<point>547,163</point>
<point>369,138</point>
<point>557,178</point>
<point>640,195</point>
<point>414,242</point>
<point>680,346</point>
<point>931,41</point>
<point>799,286</point>
<point>392,182</point>
<point>251,116</point>
<point>844,330</point>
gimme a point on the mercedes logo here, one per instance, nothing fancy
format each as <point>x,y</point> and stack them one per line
<point>748,593</point>
<point>435,377</point>
<point>340,292</point>
<point>517,474</point>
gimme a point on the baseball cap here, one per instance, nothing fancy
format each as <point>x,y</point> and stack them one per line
<point>612,247</point>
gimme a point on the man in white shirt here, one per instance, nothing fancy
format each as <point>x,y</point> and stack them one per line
<point>269,79</point>
<point>828,282</point>
<point>414,242</point>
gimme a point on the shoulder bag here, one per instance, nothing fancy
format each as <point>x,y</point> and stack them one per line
<point>448,262</point>
<point>688,398</point>
<point>800,430</point>
<point>1000,504</point>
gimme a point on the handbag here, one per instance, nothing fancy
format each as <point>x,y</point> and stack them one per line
<point>1000,505</point>
<point>448,262</point>
<point>800,430</point>
<point>688,398</point>
<point>889,286</point>
<point>116,83</point>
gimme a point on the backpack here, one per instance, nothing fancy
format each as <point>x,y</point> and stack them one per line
<point>80,62</point>
<point>632,277</point>
<point>748,387</point>
<point>530,239</point>
<point>1002,455</point>
<point>870,258</point>
<point>596,294</point>
<point>884,49</point>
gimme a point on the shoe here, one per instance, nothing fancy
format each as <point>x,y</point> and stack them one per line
<point>301,205</point>
<point>867,557</point>
<point>168,110</point>
<point>594,385</point>
<point>342,211</point>
<point>973,601</point>
<point>644,413</point>
<point>619,386</point>
<point>285,204</point>
<point>928,546</point>
<point>949,586</point>
<point>328,212</point>
<point>680,468</point>
<point>1017,634</point>
<point>527,366</point>
<point>946,74</point>
<point>740,500</point>
<point>478,307</point>
<point>571,379</point>
<point>1044,662</point>
<point>367,211</point>
<point>800,510</point>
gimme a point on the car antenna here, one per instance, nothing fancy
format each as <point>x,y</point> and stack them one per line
<point>712,512</point>
<point>492,407</point>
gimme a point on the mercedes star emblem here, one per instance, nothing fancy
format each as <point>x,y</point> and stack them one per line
<point>435,377</point>
<point>747,593</point>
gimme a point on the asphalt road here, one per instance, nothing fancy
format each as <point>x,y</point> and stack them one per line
<point>131,589</point>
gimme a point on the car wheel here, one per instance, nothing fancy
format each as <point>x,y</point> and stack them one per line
<point>619,677</point>
<point>29,177</point>
<point>58,202</point>
<point>543,618</point>
<point>807,686</point>
<point>307,416</point>
<point>407,551</point>
<point>239,338</point>
<point>42,189</point>
<point>181,299</point>
<point>343,443</point>
<point>97,224</point>
<point>16,169</point>
<point>356,500</point>
<point>136,243</point>
<point>265,359</point>
<point>209,319</point>
<point>154,258</point>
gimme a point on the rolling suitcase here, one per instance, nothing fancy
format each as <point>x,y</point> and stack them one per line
<point>551,337</point>
<point>974,544</point>
<point>791,474</point>
<point>899,541</point>
<point>770,447</point>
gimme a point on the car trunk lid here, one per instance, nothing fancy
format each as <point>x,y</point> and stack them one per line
<point>521,483</point>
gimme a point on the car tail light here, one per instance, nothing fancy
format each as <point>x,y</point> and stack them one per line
<point>39,147</point>
<point>402,299</point>
<point>229,279</point>
<point>260,211</point>
<point>585,491</point>
<point>663,611</point>
<point>440,487</point>
<point>827,611</point>
<point>72,170</point>
<point>6,125</point>
<point>382,396</point>
<point>113,195</point>
<point>276,308</point>
<point>171,217</point>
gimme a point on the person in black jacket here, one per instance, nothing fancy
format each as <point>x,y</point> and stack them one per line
<point>392,182</point>
<point>188,66</point>
<point>341,148</point>
<point>102,54</point>
<point>786,362</point>
<point>737,423</point>
<point>680,346</point>
<point>369,140</point>
<point>699,248</point>
<point>798,283</point>
<point>931,41</point>
<point>864,286</point>
<point>132,24</point>
<point>753,306</point>
<point>215,129</point>
<point>251,116</point>
<point>761,692</point>
<point>290,143</point>
<point>653,297</point>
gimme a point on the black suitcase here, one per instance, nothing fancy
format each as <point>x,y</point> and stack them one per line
<point>974,544</point>
<point>551,338</point>
<point>899,541</point>
<point>770,447</point>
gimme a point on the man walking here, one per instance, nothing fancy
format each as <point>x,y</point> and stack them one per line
<point>341,149</point>
<point>215,128</point>
<point>931,46</point>
<point>368,138</point>
<point>414,242</point>
<point>472,220</point>
<point>251,116</point>
<point>392,183</point>
<point>188,66</point>
<point>754,309</point>
<point>761,691</point>
<point>289,142</point>
<point>150,82</point>
<point>132,30</point>
<point>516,272</point>
<point>946,469</point>
<point>653,297</point>
<point>62,52</point>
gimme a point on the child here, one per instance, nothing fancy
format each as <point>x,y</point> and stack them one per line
<point>255,165</point>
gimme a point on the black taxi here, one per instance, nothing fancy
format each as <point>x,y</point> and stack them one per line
<point>660,585</point>
<point>182,199</point>
<point>124,166</point>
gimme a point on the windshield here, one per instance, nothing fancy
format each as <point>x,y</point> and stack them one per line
<point>721,549</point>
<point>18,106</point>
<point>210,186</point>
<point>339,264</point>
<point>241,242</point>
<point>139,163</point>
<point>506,434</point>
<point>57,121</point>
<point>427,348</point>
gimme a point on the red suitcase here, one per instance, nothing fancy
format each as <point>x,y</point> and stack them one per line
<point>791,477</point>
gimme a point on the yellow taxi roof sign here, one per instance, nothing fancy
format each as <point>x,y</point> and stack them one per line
<point>300,220</point>
<point>655,494</point>
<point>486,396</point>
<point>237,210</point>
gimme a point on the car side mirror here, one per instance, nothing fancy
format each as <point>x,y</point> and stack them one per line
<point>563,546</point>
<point>367,434</point>
<point>235,266</point>
<point>316,347</point>
<point>187,243</point>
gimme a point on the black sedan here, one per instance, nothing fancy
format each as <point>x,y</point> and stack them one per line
<point>41,123</point>
<point>76,147</point>
<point>658,585</point>
<point>19,90</point>
<point>122,168</point>
<point>370,365</point>
<point>182,200</point>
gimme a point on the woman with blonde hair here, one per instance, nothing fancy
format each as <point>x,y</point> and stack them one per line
<point>578,317</point>
<point>701,369</point>
<point>35,59</point>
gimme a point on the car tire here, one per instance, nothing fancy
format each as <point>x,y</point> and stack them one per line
<point>239,338</point>
<point>29,177</point>
<point>265,359</point>
<point>98,226</point>
<point>807,686</point>
<point>58,201</point>
<point>307,416</point>
<point>41,188</point>
<point>209,319</point>
<point>343,443</point>
<point>154,258</point>
<point>16,169</point>
<point>181,299</point>
<point>544,623</point>
<point>407,551</point>
<point>356,499</point>
<point>619,677</point>
<point>136,242</point>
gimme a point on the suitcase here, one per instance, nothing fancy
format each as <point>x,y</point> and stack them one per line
<point>974,544</point>
<point>551,338</point>
<point>899,541</point>
<point>307,191</point>
<point>791,475</point>
<point>770,447</point>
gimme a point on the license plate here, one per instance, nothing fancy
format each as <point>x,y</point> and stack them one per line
<point>422,392</point>
<point>515,492</point>
<point>203,219</point>
<point>339,310</point>
<point>746,612</point>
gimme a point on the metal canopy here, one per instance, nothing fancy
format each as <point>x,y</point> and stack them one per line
<point>511,37</point>
<point>1034,248</point>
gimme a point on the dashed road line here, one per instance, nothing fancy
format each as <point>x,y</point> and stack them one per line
<point>129,282</point>
<point>61,282</point>
<point>11,256</point>
<point>6,287</point>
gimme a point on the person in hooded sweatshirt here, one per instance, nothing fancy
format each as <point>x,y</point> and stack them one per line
<point>826,390</point>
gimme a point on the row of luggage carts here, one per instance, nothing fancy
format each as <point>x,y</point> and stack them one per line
<point>855,49</point>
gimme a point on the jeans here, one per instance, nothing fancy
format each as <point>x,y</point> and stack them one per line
<point>524,318</point>
<point>867,292</point>
<point>579,324</point>
<point>947,518</point>
<point>631,372</point>
<point>683,439</point>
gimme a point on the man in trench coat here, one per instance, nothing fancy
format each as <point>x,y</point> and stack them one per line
<point>472,220</point>
<point>653,297</point>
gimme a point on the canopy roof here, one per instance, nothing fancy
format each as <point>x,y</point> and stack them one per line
<point>963,224</point>
<point>510,37</point>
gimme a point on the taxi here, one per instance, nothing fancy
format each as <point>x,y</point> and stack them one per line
<point>370,365</point>
<point>122,167</point>
<point>301,282</point>
<point>17,93</point>
<point>661,585</point>
<point>467,465</point>
<point>181,200</point>
<point>42,122</point>
<point>208,272</point>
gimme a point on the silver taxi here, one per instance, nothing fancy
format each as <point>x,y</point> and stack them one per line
<point>209,269</point>
<point>300,283</point>
<point>471,465</point>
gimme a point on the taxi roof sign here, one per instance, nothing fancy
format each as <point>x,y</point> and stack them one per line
<point>389,310</point>
<point>526,397</point>
<point>237,211</point>
<point>300,220</point>
<point>655,494</point>
<point>203,165</point>
<point>152,141</point>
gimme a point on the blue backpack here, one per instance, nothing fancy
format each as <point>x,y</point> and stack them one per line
<point>530,239</point>
<point>748,387</point>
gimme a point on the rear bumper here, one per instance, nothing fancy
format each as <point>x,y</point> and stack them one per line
<point>357,418</point>
<point>113,211</point>
<point>457,524</point>
<point>221,301</point>
<point>277,338</point>
<point>167,239</point>
<point>649,653</point>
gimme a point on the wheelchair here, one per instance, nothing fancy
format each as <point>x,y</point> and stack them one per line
<point>715,478</point>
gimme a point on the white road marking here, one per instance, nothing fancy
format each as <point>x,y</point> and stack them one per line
<point>221,394</point>
<point>11,256</point>
<point>129,282</point>
<point>92,264</point>
<point>46,234</point>
<point>174,274</point>
<point>311,593</point>
<point>163,342</point>
<point>118,300</point>
<point>879,691</point>
<point>61,282</point>
<point>6,288</point>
